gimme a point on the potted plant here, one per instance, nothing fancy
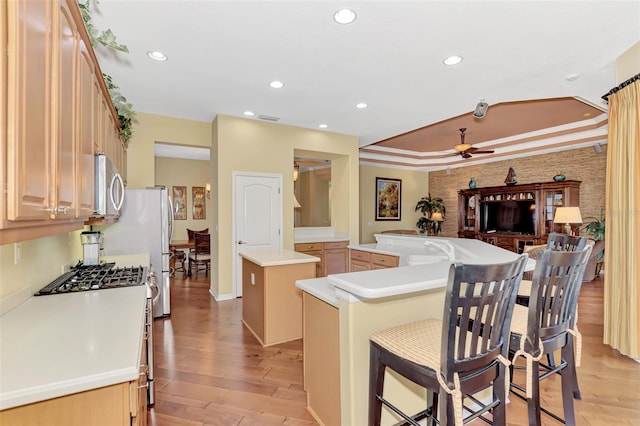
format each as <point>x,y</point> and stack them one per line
<point>596,227</point>
<point>427,206</point>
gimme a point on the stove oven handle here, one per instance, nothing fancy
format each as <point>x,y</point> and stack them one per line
<point>155,292</point>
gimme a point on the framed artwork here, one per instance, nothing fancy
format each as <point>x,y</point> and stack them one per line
<point>388,198</point>
<point>199,205</point>
<point>180,202</point>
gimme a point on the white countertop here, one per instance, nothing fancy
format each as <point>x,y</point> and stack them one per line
<point>320,288</point>
<point>429,270</point>
<point>318,234</point>
<point>62,344</point>
<point>380,283</point>
<point>277,257</point>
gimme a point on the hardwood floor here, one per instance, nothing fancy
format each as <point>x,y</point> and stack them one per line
<point>210,370</point>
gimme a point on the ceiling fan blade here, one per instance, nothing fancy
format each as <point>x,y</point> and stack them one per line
<point>465,155</point>
<point>483,152</point>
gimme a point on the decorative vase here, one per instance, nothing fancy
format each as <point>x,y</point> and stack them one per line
<point>472,183</point>
<point>559,177</point>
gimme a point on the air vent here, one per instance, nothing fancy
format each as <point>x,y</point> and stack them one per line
<point>268,117</point>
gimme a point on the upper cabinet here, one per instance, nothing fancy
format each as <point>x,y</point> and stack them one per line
<point>57,114</point>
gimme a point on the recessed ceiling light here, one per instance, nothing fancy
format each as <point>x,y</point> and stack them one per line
<point>322,126</point>
<point>249,113</point>
<point>572,77</point>
<point>157,55</point>
<point>361,105</point>
<point>344,16</point>
<point>276,84</point>
<point>453,60</point>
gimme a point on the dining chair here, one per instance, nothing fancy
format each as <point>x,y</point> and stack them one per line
<point>180,257</point>
<point>191,233</point>
<point>200,257</point>
<point>548,324</point>
<point>456,355</point>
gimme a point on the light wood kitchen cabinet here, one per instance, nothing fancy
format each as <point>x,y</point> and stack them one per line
<point>321,342</point>
<point>49,79</point>
<point>364,261</point>
<point>336,257</point>
<point>333,256</point>
<point>86,81</point>
<point>110,405</point>
<point>271,302</point>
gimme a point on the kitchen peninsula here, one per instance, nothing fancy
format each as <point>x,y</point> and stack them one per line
<point>361,303</point>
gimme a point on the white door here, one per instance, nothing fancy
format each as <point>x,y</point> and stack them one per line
<point>257,216</point>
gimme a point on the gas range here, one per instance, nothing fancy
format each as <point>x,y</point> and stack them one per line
<point>95,277</point>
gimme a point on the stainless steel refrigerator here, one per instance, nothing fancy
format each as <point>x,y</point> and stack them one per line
<point>145,225</point>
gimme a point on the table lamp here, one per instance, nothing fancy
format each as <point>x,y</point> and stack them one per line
<point>436,217</point>
<point>567,215</point>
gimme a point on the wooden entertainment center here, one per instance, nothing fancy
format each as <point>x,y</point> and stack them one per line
<point>513,216</point>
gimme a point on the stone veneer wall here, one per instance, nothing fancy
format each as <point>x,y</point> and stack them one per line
<point>582,164</point>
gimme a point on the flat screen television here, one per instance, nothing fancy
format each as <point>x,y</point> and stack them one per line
<point>508,217</point>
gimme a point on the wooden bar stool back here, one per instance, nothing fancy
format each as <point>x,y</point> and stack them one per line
<point>549,324</point>
<point>456,355</point>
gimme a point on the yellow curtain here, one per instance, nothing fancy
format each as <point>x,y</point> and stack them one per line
<point>622,236</point>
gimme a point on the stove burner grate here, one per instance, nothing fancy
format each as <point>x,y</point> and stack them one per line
<point>95,277</point>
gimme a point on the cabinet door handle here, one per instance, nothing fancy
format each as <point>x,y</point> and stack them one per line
<point>58,210</point>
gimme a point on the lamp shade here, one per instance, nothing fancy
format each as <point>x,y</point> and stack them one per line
<point>567,215</point>
<point>437,216</point>
<point>296,203</point>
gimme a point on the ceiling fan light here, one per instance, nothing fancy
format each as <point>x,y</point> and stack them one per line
<point>461,147</point>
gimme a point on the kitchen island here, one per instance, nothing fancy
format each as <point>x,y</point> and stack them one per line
<point>74,359</point>
<point>271,303</point>
<point>361,303</point>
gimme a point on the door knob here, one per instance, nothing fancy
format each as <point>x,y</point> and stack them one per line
<point>241,242</point>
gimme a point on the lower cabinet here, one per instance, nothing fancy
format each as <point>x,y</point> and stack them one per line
<point>322,359</point>
<point>365,261</point>
<point>271,302</point>
<point>122,404</point>
<point>334,256</point>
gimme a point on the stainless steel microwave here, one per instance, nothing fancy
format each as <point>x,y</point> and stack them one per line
<point>109,190</point>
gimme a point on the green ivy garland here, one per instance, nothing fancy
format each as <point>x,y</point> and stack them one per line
<point>106,38</point>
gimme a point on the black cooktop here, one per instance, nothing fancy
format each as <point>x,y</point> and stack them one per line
<point>95,277</point>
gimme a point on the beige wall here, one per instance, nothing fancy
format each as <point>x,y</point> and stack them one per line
<point>180,172</point>
<point>245,145</point>
<point>42,262</point>
<point>579,164</point>
<point>414,186</point>
<point>628,64</point>
<point>150,128</point>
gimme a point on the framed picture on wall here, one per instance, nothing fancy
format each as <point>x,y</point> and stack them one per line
<point>388,198</point>
<point>180,202</point>
<point>199,205</point>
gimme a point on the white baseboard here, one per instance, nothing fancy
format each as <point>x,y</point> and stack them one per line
<point>220,298</point>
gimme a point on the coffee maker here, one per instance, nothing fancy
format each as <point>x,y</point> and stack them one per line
<point>91,247</point>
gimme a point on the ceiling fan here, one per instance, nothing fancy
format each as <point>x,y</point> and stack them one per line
<point>466,149</point>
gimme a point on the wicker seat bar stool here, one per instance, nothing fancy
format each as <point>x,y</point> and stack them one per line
<point>549,324</point>
<point>454,356</point>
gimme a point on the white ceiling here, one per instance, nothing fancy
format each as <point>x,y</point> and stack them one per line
<point>223,54</point>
